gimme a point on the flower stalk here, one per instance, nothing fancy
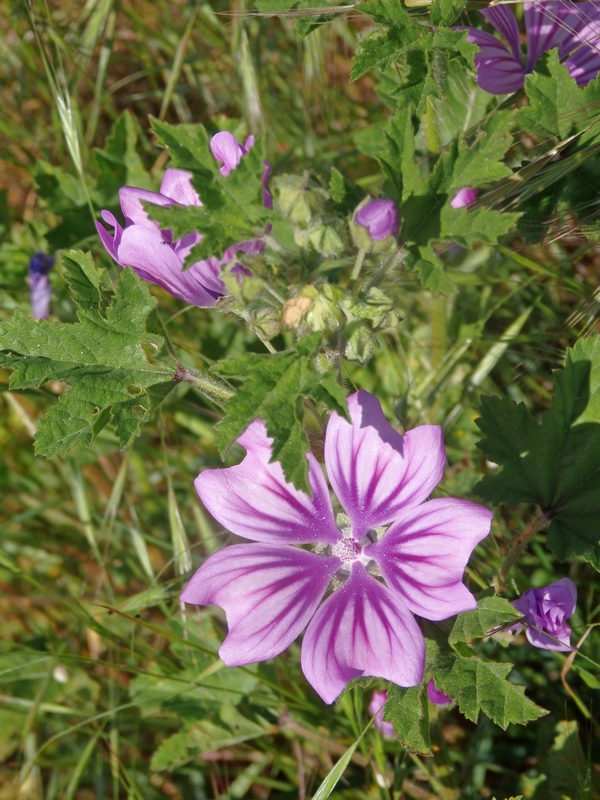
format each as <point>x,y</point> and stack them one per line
<point>519,544</point>
<point>213,389</point>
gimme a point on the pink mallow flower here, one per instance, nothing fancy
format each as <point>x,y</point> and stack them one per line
<point>380,218</point>
<point>393,554</point>
<point>436,696</point>
<point>464,198</point>
<point>378,701</point>
<point>545,612</point>
<point>572,27</point>
<point>152,253</point>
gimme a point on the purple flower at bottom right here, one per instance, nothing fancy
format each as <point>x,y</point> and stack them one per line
<point>546,611</point>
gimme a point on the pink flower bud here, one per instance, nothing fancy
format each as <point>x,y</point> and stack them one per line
<point>464,198</point>
<point>545,612</point>
<point>39,284</point>
<point>380,218</point>
<point>378,700</point>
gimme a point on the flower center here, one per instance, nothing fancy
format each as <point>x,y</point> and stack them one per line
<point>347,550</point>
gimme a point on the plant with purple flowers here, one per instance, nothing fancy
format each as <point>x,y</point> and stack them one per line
<point>574,28</point>
<point>392,554</point>
<point>39,284</point>
<point>153,253</point>
<point>380,218</point>
<point>464,198</point>
<point>376,708</point>
<point>546,611</point>
<point>436,696</point>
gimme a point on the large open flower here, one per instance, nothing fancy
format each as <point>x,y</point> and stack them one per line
<point>572,27</point>
<point>153,254</point>
<point>391,555</point>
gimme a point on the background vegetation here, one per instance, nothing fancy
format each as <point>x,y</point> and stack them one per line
<point>108,687</point>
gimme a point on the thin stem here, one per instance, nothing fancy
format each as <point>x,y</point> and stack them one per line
<point>266,343</point>
<point>521,542</point>
<point>391,264</point>
<point>360,258</point>
<point>563,677</point>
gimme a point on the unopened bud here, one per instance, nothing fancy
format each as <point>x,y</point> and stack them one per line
<point>380,218</point>
<point>464,198</point>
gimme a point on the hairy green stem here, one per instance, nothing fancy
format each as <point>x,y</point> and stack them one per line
<point>518,545</point>
<point>390,265</point>
<point>360,258</point>
<point>212,388</point>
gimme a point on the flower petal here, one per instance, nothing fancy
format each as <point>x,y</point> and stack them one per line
<point>584,64</point>
<point>375,471</point>
<point>362,629</point>
<point>436,695</point>
<point>131,205</point>
<point>423,555</point>
<point>208,274</point>
<point>226,148</point>
<point>155,260</point>
<point>111,243</point>
<point>267,196</point>
<point>498,71</point>
<point>40,295</point>
<point>503,18</point>
<point>546,28</point>
<point>269,594</point>
<point>254,500</point>
<point>177,184</point>
<point>183,247</point>
<point>559,641</point>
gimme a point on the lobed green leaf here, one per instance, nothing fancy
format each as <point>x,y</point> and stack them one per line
<point>408,711</point>
<point>492,612</point>
<point>554,462</point>
<point>273,390</point>
<point>103,358</point>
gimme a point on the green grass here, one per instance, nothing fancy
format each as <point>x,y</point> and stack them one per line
<point>109,688</point>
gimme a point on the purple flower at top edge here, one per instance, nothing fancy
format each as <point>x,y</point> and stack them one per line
<point>436,696</point>
<point>39,284</point>
<point>393,553</point>
<point>545,612</point>
<point>380,218</point>
<point>378,700</point>
<point>464,198</point>
<point>152,253</point>
<point>572,27</point>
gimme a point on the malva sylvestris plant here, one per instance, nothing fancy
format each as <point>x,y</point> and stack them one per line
<point>392,555</point>
<point>380,698</point>
<point>574,28</point>
<point>152,253</point>
<point>464,198</point>
<point>380,218</point>
<point>436,696</point>
<point>546,611</point>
